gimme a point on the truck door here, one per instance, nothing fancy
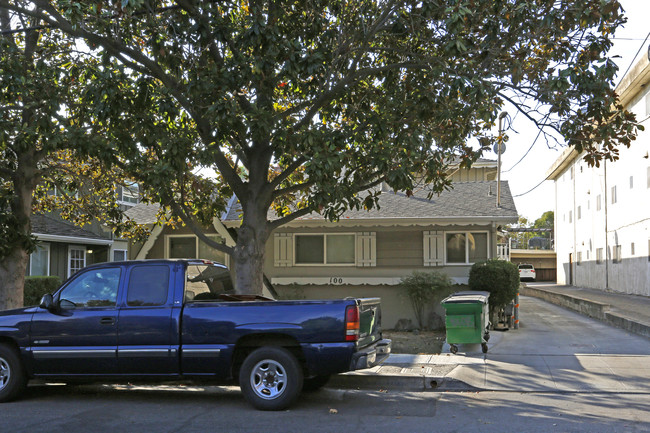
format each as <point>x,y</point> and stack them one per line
<point>80,336</point>
<point>147,334</point>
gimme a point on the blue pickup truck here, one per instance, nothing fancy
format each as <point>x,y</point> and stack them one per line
<point>179,320</point>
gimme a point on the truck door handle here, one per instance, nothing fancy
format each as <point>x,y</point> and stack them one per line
<point>107,321</point>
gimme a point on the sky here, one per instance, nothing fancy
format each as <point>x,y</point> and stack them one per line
<point>531,171</point>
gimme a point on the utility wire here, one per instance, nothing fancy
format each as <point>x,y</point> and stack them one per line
<point>635,56</point>
<point>527,152</point>
<point>530,190</point>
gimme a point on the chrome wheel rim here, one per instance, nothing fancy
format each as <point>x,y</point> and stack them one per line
<point>5,373</point>
<point>268,379</point>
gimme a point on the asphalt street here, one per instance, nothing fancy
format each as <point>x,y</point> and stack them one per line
<point>560,372</point>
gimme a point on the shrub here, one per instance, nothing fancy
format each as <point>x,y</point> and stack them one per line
<point>424,289</point>
<point>498,277</point>
<point>36,287</point>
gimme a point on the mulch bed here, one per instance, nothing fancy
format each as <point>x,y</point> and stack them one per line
<point>416,342</point>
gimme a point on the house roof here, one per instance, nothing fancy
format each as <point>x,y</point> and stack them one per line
<point>466,201</point>
<point>49,228</point>
<point>144,213</point>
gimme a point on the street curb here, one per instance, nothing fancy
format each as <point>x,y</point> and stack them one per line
<point>379,382</point>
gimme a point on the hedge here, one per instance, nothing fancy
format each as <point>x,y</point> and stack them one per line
<point>498,277</point>
<point>36,287</point>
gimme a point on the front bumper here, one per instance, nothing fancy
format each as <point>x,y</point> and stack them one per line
<point>372,355</point>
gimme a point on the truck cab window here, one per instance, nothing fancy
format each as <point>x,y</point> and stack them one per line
<point>207,282</point>
<point>148,286</point>
<point>95,288</point>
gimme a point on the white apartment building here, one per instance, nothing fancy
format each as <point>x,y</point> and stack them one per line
<point>602,214</point>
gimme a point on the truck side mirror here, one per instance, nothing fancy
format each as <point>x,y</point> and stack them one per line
<point>47,302</point>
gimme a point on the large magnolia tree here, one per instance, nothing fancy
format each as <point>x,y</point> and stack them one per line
<point>304,106</point>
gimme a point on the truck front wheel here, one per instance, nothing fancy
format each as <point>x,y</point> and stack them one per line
<point>12,376</point>
<point>270,378</point>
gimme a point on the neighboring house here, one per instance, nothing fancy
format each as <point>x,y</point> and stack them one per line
<point>64,248</point>
<point>602,217</point>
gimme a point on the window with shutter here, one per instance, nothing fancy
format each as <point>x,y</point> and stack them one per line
<point>283,250</point>
<point>433,248</point>
<point>366,249</point>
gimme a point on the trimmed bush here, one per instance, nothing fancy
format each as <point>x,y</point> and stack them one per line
<point>425,289</point>
<point>36,287</point>
<point>498,277</point>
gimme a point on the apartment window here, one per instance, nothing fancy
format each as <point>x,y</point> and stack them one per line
<point>631,182</point>
<point>632,249</point>
<point>599,255</point>
<point>119,255</point>
<point>39,260</point>
<point>614,199</point>
<point>579,212</point>
<point>325,249</point>
<point>579,258</point>
<point>128,193</point>
<point>466,247</point>
<point>598,202</point>
<point>572,172</point>
<point>570,216</point>
<point>617,254</point>
<point>191,247</point>
<point>76,259</point>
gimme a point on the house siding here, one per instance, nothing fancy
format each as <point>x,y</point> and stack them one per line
<point>158,248</point>
<point>399,252</point>
<point>400,248</point>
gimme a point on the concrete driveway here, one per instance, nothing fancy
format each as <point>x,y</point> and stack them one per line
<point>557,350</point>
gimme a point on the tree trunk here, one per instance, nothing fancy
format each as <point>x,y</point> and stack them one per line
<point>14,265</point>
<point>249,253</point>
<point>12,278</point>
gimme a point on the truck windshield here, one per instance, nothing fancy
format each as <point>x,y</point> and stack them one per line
<point>207,282</point>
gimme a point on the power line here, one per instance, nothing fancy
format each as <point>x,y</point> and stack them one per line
<point>527,152</point>
<point>530,190</point>
<point>637,53</point>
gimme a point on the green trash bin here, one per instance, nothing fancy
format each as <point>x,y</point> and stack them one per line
<point>467,319</point>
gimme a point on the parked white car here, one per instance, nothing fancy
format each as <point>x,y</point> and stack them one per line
<point>526,272</point>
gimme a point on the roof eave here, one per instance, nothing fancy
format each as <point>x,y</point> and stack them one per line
<point>347,222</point>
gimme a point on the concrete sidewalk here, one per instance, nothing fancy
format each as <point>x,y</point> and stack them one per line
<point>554,350</point>
<point>628,312</point>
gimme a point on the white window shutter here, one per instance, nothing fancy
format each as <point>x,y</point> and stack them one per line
<point>366,249</point>
<point>282,250</point>
<point>434,248</point>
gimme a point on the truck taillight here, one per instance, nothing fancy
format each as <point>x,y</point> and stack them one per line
<point>352,323</point>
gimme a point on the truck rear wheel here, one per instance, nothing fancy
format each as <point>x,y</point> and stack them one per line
<point>270,378</point>
<point>12,376</point>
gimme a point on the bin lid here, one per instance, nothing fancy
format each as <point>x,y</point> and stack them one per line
<point>469,297</point>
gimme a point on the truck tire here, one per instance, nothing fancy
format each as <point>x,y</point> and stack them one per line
<point>12,375</point>
<point>270,378</point>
